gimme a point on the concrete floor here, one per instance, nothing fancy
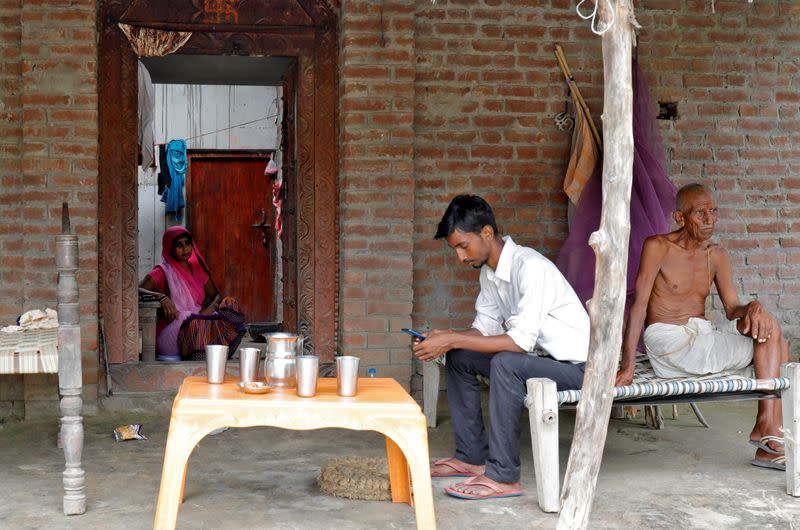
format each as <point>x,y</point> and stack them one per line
<point>684,476</point>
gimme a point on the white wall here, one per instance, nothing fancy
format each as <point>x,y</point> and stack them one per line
<point>186,111</point>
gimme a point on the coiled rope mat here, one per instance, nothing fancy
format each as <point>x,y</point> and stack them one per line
<point>356,478</point>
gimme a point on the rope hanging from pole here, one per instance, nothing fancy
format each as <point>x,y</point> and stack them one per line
<point>596,25</point>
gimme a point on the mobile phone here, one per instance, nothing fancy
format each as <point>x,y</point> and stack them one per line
<point>414,333</point>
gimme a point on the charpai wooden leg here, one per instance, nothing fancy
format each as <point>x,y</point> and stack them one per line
<point>790,403</point>
<point>430,391</point>
<point>542,405</point>
<point>399,479</point>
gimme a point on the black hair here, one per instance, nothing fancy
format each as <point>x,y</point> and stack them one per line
<point>467,213</point>
<point>682,196</point>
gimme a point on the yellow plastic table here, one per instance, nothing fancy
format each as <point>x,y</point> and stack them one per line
<point>381,405</point>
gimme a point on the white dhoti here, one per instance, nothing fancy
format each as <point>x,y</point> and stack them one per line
<point>696,349</point>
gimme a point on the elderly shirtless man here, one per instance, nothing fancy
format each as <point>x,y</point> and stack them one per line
<point>674,280</point>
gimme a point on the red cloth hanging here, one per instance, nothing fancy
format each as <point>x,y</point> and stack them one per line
<point>277,187</point>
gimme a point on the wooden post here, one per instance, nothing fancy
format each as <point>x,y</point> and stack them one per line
<point>610,244</point>
<point>70,378</point>
<point>790,403</point>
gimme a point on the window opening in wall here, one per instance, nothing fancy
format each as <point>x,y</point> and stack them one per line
<point>667,110</point>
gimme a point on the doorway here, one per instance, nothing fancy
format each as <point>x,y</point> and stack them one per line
<point>302,31</point>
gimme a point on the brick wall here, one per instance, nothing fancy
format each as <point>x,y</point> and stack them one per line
<point>736,77</point>
<point>487,89</point>
<point>11,258</point>
<point>49,150</point>
<point>377,182</point>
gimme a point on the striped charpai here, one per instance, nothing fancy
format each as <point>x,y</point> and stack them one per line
<point>32,351</point>
<point>686,386</point>
<point>647,384</point>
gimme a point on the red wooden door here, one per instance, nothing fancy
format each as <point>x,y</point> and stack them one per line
<point>228,194</point>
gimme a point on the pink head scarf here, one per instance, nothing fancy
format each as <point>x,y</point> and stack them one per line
<point>187,290</point>
<point>196,261</point>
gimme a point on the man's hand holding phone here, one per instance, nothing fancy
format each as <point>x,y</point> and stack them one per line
<point>414,333</point>
<point>436,343</point>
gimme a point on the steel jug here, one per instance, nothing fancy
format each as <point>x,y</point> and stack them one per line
<point>280,366</point>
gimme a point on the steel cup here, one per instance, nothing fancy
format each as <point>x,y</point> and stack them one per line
<point>307,373</point>
<point>248,364</point>
<point>216,357</point>
<point>346,375</point>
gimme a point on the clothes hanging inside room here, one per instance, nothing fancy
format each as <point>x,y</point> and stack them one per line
<point>164,178</point>
<point>177,164</point>
<point>271,171</point>
<point>146,106</point>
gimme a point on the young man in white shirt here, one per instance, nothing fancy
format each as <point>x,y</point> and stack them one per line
<point>529,323</point>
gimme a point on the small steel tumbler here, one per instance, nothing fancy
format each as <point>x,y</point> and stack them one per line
<point>346,375</point>
<point>307,373</point>
<point>216,357</point>
<point>248,364</point>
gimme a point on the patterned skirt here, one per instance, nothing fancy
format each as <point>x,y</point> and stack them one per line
<point>226,326</point>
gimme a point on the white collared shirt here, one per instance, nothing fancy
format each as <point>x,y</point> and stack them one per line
<point>529,299</point>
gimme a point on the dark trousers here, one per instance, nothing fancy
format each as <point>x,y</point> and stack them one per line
<point>508,372</point>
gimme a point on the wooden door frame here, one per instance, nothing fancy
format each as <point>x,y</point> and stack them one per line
<point>232,154</point>
<point>311,208</point>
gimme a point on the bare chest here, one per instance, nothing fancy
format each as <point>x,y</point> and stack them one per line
<point>685,273</point>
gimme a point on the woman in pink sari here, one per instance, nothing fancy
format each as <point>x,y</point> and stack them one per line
<point>192,312</point>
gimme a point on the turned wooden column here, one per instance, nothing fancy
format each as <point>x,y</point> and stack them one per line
<point>70,379</point>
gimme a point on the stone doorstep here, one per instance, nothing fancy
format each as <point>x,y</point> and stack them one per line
<point>159,376</point>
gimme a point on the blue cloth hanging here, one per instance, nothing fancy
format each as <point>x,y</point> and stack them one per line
<point>176,162</point>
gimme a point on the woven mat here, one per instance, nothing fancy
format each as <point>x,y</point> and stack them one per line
<point>356,478</point>
<point>31,351</point>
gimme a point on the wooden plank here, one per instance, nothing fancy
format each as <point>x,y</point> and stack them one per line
<point>610,244</point>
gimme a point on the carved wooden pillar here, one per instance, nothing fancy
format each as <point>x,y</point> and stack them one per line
<point>69,368</point>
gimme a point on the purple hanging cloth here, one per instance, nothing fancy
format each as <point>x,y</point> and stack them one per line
<point>652,200</point>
